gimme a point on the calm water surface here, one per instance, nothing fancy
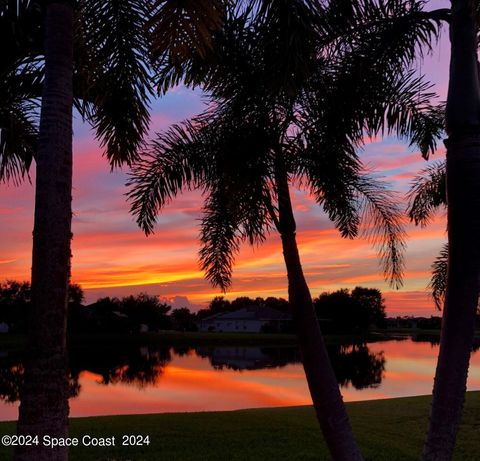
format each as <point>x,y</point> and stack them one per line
<point>168,379</point>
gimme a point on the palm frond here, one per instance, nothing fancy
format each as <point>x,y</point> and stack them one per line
<point>231,215</point>
<point>181,29</point>
<point>374,85</point>
<point>405,103</point>
<point>287,37</point>
<point>329,173</point>
<point>21,80</point>
<point>21,30</point>
<point>117,85</point>
<point>350,198</point>
<point>395,30</point>
<point>438,281</point>
<point>427,193</point>
<point>19,119</point>
<point>219,152</point>
<point>427,127</point>
<point>174,162</point>
<point>382,218</point>
<point>18,140</point>
<point>227,66</point>
<point>384,101</point>
<point>186,40</point>
<point>220,238</point>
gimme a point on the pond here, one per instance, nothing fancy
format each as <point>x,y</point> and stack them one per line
<point>154,379</point>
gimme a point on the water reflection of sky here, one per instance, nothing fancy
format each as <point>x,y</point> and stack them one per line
<point>190,383</point>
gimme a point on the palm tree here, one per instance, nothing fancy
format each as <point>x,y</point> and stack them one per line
<point>108,80</point>
<point>287,108</point>
<point>457,269</point>
<point>46,371</point>
<point>428,195</point>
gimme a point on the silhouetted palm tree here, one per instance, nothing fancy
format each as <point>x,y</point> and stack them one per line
<point>108,80</point>
<point>287,107</point>
<point>457,183</point>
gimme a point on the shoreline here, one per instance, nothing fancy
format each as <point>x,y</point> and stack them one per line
<point>218,338</point>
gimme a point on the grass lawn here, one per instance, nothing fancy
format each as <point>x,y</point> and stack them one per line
<point>386,429</point>
<point>11,341</point>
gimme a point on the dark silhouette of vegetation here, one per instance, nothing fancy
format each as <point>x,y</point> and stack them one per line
<point>130,314</point>
<point>11,378</point>
<point>119,315</point>
<point>456,271</point>
<point>220,305</point>
<point>143,366</point>
<point>351,311</point>
<point>148,310</point>
<point>94,56</point>
<point>354,364</point>
<point>357,366</point>
<point>183,320</point>
<point>125,364</point>
<point>12,371</point>
<point>63,53</point>
<point>462,124</point>
<point>287,107</point>
<point>339,42</point>
<point>412,322</point>
<point>15,303</point>
<point>426,197</point>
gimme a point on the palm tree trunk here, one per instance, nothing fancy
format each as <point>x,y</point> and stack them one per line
<point>327,399</point>
<point>463,198</point>
<point>44,398</point>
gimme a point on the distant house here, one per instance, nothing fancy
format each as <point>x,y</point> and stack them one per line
<point>251,319</point>
<point>248,358</point>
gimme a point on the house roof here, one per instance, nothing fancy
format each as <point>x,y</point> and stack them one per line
<point>251,313</point>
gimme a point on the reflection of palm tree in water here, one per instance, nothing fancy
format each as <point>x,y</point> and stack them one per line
<point>143,366</point>
<point>357,365</point>
<point>139,366</point>
<point>11,379</point>
<point>353,364</point>
<point>143,369</point>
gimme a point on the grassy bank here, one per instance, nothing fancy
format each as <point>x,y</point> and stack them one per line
<point>9,341</point>
<point>191,338</point>
<point>386,429</point>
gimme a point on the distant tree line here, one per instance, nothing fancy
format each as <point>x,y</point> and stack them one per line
<point>348,311</point>
<point>141,312</point>
<point>15,300</point>
<point>219,305</point>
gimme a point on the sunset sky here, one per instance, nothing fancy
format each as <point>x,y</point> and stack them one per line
<point>111,256</point>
